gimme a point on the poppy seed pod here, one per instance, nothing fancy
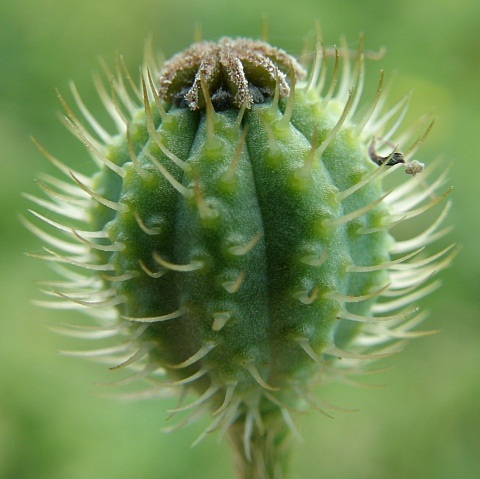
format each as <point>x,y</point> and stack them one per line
<point>237,236</point>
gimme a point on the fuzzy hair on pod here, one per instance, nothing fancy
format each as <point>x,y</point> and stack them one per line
<point>237,234</point>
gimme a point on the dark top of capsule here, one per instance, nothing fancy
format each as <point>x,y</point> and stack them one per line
<point>234,71</point>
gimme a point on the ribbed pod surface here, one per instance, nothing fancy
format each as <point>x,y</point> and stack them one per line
<point>237,231</point>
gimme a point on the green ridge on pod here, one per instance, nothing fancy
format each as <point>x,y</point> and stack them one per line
<point>237,231</point>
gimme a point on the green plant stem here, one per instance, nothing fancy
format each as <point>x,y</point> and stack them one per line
<point>269,454</point>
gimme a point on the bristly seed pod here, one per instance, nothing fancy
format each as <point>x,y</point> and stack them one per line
<point>237,233</point>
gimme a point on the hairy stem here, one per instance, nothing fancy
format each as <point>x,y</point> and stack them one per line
<point>267,455</point>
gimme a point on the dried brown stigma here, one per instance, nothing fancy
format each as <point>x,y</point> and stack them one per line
<point>236,72</point>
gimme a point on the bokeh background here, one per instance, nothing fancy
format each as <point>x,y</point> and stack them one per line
<point>53,423</point>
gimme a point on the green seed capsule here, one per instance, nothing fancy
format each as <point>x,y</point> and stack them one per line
<point>238,232</point>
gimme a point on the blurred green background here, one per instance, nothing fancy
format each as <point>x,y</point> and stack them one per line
<point>53,425</point>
